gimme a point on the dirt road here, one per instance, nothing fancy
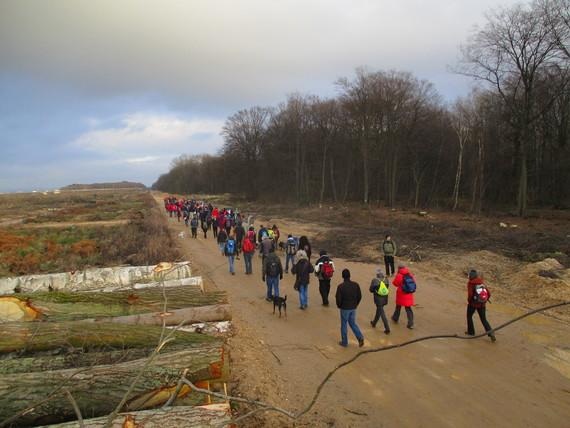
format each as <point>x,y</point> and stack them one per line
<point>522,380</point>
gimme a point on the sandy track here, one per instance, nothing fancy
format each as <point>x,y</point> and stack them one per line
<point>522,380</point>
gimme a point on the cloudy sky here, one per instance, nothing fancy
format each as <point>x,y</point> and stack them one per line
<point>94,91</point>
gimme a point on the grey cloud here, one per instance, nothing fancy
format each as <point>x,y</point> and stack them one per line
<point>226,52</point>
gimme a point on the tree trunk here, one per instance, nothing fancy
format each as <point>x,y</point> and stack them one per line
<point>204,416</point>
<point>97,363</point>
<point>333,183</point>
<point>323,174</point>
<point>177,316</point>
<point>348,175</point>
<point>67,306</point>
<point>364,148</point>
<point>458,175</point>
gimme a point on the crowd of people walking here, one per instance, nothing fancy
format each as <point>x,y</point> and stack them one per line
<point>236,235</point>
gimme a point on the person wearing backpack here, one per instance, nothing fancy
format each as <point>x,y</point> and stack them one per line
<point>477,297</point>
<point>290,251</point>
<point>405,284</point>
<point>248,248</point>
<point>302,269</point>
<point>380,291</point>
<point>324,269</point>
<point>240,234</point>
<point>348,296</point>
<point>222,238</point>
<point>194,226</point>
<point>272,272</point>
<point>389,250</point>
<point>230,249</point>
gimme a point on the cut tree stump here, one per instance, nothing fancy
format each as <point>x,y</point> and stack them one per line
<point>98,388</point>
<point>64,306</point>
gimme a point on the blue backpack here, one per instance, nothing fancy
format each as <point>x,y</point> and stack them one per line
<point>230,248</point>
<point>408,284</point>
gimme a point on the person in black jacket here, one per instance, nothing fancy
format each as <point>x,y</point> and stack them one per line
<point>302,269</point>
<point>348,297</point>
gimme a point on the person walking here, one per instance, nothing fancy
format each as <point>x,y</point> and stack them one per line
<point>290,251</point>
<point>348,297</point>
<point>404,280</point>
<point>248,249</point>
<point>389,250</point>
<point>302,269</point>
<point>380,291</point>
<point>266,246</point>
<point>305,246</point>
<point>230,252</point>
<point>324,269</point>
<point>194,226</point>
<point>477,297</point>
<point>271,274</point>
<point>222,238</point>
<point>240,234</point>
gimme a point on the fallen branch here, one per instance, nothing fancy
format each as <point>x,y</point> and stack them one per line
<point>266,407</point>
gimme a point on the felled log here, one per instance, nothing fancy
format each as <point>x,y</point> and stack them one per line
<point>214,415</point>
<point>98,388</point>
<point>177,316</point>
<point>64,306</point>
<point>92,279</point>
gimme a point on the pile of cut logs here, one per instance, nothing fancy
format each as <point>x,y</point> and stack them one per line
<point>70,354</point>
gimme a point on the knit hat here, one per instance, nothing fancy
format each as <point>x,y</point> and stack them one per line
<point>379,273</point>
<point>322,252</point>
<point>345,274</point>
<point>473,274</point>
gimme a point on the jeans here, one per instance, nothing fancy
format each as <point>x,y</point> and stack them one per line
<point>289,258</point>
<point>247,259</point>
<point>348,316</point>
<point>231,262</point>
<point>221,245</point>
<point>272,286</point>
<point>409,314</point>
<point>324,289</point>
<point>381,314</point>
<point>389,264</point>
<point>482,316</point>
<point>303,295</point>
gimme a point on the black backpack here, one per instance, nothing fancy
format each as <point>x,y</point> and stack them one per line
<point>272,268</point>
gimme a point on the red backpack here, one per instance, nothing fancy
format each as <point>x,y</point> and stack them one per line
<point>327,270</point>
<point>248,246</point>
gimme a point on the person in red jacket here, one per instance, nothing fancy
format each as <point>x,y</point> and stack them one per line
<point>403,299</point>
<point>473,305</point>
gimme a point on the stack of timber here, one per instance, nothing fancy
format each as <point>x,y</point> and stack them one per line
<point>92,345</point>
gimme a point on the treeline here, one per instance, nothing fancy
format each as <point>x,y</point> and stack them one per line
<point>388,138</point>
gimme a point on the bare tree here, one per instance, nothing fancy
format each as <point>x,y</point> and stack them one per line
<point>509,53</point>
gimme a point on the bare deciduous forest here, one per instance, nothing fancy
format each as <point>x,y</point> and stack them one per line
<point>388,138</point>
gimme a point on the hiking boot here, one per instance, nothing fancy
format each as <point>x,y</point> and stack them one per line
<point>493,338</point>
<point>361,342</point>
<point>395,320</point>
<point>386,331</point>
<point>373,324</point>
<point>342,344</point>
<point>411,327</point>
<point>267,299</point>
<point>469,334</point>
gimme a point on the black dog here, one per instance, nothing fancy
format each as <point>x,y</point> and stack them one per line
<point>280,302</point>
<point>282,246</point>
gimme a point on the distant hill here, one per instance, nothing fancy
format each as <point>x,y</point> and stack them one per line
<point>116,185</point>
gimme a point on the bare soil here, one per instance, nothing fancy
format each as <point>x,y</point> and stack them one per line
<point>521,380</point>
